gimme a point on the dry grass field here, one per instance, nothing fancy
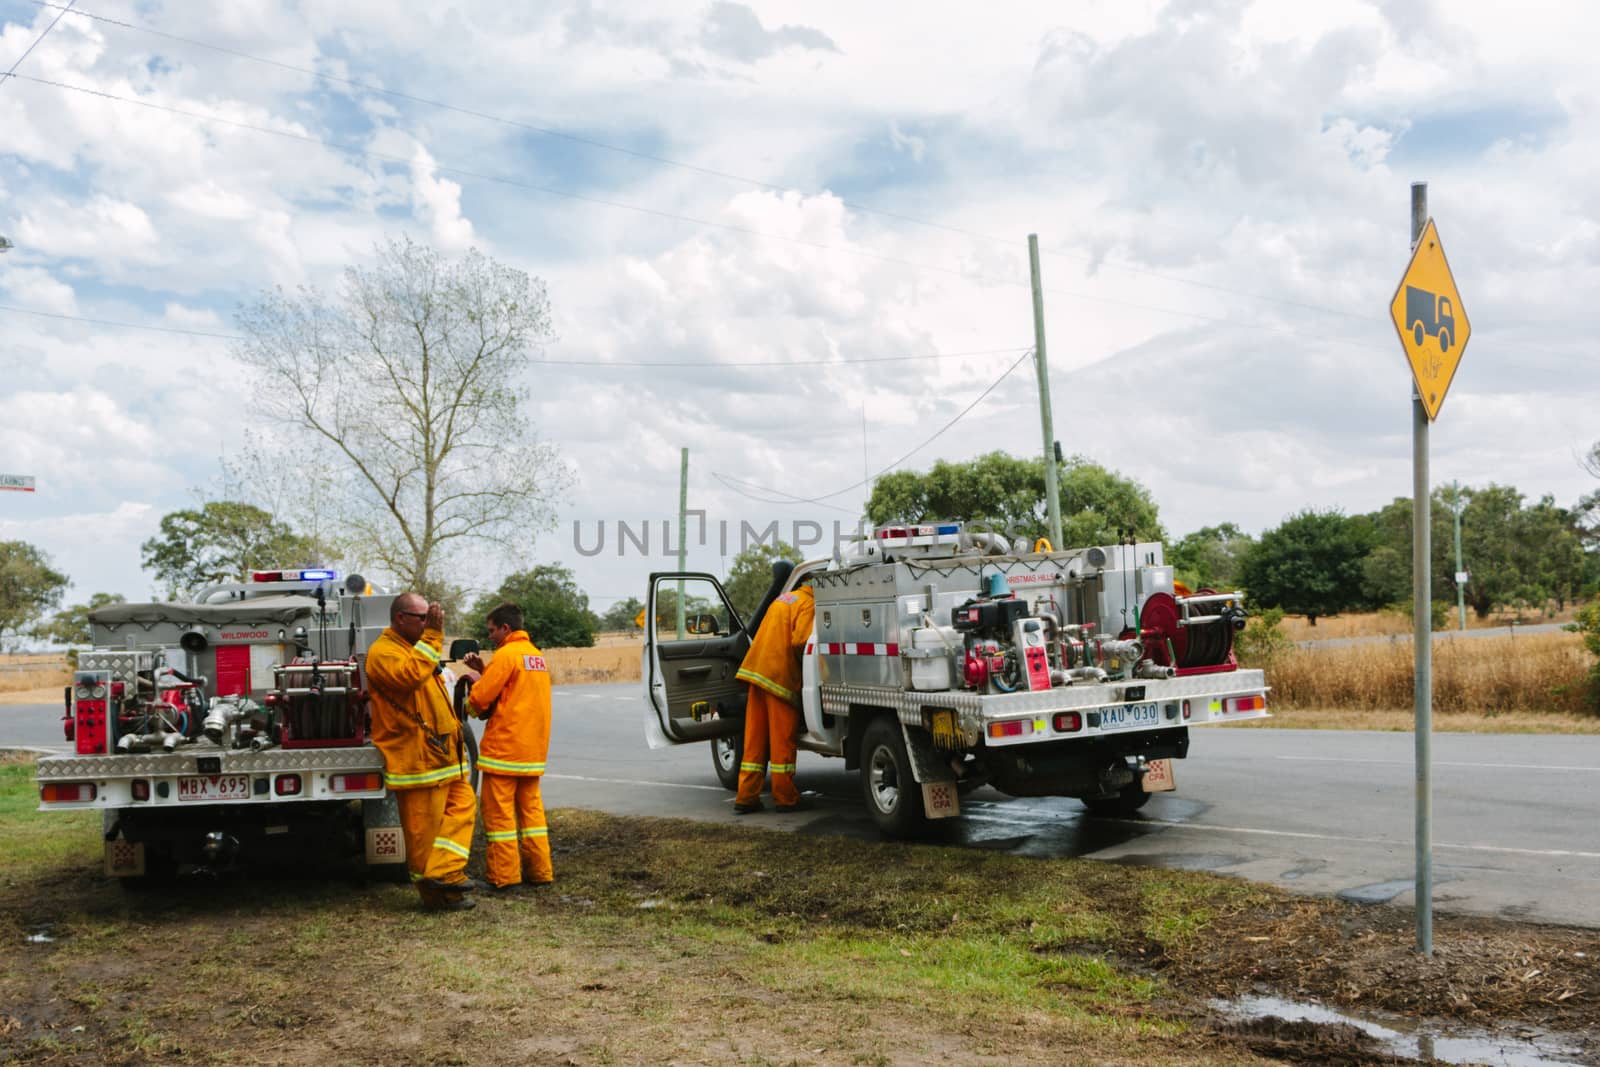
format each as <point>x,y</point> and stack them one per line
<point>1534,673</point>
<point>32,678</point>
<point>1384,623</point>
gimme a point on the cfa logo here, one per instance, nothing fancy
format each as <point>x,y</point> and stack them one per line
<point>533,663</point>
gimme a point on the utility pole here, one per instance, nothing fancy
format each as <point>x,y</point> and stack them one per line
<point>1461,572</point>
<point>683,532</point>
<point>1422,629</point>
<point>1052,490</point>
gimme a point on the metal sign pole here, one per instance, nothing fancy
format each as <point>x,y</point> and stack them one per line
<point>1422,633</point>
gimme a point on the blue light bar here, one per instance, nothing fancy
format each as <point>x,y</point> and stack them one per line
<point>318,576</point>
<point>948,528</point>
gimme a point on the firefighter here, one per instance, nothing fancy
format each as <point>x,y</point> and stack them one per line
<point>424,763</point>
<point>771,669</point>
<point>512,695</point>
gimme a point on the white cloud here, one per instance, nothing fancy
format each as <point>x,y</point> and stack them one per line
<point>439,201</point>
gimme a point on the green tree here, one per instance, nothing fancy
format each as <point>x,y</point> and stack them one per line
<point>29,586</point>
<point>554,610</point>
<point>623,615</point>
<point>1210,557</point>
<point>71,625</point>
<point>751,574</point>
<point>409,387</point>
<point>221,542</point>
<point>1311,565</point>
<point>1098,506</point>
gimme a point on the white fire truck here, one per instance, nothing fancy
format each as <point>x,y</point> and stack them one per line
<point>239,721</point>
<point>944,659</point>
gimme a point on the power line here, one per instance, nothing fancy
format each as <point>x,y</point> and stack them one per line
<point>679,164</point>
<point>589,364</point>
<point>734,483</point>
<point>658,213</point>
<point>12,72</point>
<point>124,325</point>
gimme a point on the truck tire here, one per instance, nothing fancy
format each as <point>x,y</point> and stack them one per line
<point>725,757</point>
<point>1125,803</point>
<point>893,796</point>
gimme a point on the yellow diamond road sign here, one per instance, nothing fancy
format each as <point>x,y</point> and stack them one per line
<point>1433,325</point>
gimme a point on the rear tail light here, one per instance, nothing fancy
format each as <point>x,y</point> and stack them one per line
<point>1185,709</point>
<point>68,792</point>
<point>141,789</point>
<point>356,783</point>
<point>1068,722</point>
<point>1251,703</point>
<point>286,785</point>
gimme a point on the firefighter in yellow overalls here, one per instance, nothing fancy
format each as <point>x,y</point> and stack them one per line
<point>424,762</point>
<point>772,707</point>
<point>516,741</point>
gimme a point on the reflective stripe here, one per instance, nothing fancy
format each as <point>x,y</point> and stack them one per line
<point>449,846</point>
<point>415,877</point>
<point>433,777</point>
<point>502,835</point>
<point>752,766</point>
<point>489,763</point>
<point>747,675</point>
<point>428,651</point>
<point>783,768</point>
<point>536,831</point>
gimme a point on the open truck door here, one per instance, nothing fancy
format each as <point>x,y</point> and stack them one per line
<point>693,645</point>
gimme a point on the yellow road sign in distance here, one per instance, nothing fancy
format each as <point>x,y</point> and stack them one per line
<point>1432,324</point>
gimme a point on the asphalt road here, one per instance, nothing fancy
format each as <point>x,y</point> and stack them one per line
<point>1516,817</point>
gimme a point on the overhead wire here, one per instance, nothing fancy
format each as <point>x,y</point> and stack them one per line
<point>590,364</point>
<point>43,34</point>
<point>735,483</point>
<point>590,142</point>
<point>659,213</point>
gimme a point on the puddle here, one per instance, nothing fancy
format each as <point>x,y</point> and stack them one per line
<point>1424,1040</point>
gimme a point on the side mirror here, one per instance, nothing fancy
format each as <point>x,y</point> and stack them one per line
<point>462,646</point>
<point>703,624</point>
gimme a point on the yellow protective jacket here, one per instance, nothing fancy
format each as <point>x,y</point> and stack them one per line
<point>412,723</point>
<point>516,739</point>
<point>773,662</point>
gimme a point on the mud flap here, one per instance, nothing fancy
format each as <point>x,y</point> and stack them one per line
<point>1158,776</point>
<point>940,799</point>
<point>124,859</point>
<point>380,819</point>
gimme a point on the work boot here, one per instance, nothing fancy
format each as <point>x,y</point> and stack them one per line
<point>803,803</point>
<point>455,903</point>
<point>747,809</point>
<point>466,885</point>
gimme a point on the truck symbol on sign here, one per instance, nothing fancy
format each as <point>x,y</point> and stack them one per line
<point>1430,314</point>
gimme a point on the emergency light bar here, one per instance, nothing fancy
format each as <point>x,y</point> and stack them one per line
<point>944,533</point>
<point>294,576</point>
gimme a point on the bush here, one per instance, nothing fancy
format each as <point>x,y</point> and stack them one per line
<point>1262,641</point>
<point>1588,626</point>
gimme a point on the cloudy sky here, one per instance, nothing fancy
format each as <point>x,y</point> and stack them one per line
<point>1221,191</point>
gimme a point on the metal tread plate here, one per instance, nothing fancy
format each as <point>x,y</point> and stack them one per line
<point>234,761</point>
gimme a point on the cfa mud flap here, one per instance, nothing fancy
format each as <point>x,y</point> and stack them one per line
<point>940,799</point>
<point>1158,776</point>
<point>124,859</point>
<point>381,820</point>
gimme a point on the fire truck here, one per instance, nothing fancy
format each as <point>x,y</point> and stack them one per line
<point>943,659</point>
<point>205,731</point>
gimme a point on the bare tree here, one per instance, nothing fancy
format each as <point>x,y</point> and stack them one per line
<point>413,378</point>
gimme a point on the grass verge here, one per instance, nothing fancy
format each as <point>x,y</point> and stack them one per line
<point>666,941</point>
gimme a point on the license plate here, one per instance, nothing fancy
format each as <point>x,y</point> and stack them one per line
<point>1129,715</point>
<point>215,787</point>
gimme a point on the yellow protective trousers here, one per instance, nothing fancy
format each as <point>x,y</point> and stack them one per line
<point>771,725</point>
<point>437,821</point>
<point>513,821</point>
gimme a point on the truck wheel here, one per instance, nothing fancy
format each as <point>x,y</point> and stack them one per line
<point>893,796</point>
<point>1417,333</point>
<point>725,756</point>
<point>1444,339</point>
<point>1125,803</point>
